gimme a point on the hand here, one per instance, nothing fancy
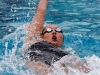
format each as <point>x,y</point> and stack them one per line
<point>81,68</point>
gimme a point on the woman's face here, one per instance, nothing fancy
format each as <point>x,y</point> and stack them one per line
<point>54,37</point>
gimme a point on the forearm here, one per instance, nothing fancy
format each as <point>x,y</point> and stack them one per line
<point>38,20</point>
<point>42,6</point>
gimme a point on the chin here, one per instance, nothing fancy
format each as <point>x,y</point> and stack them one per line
<point>55,43</point>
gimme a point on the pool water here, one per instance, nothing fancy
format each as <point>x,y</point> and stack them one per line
<point>79,20</point>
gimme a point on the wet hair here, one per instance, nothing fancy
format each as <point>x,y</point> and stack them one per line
<point>43,31</point>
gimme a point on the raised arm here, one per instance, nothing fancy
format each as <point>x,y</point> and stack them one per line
<point>38,21</point>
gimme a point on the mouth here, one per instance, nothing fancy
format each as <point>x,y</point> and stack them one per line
<point>54,38</point>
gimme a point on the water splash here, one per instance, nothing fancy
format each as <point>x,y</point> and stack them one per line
<point>12,63</point>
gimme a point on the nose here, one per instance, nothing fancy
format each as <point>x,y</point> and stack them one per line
<point>54,32</point>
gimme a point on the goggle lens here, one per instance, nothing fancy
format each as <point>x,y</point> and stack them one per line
<point>48,30</point>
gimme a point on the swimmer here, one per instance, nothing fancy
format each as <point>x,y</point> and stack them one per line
<point>45,49</point>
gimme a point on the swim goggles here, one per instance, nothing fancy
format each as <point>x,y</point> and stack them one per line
<point>48,30</point>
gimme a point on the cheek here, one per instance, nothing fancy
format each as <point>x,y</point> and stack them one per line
<point>46,36</point>
<point>60,36</point>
